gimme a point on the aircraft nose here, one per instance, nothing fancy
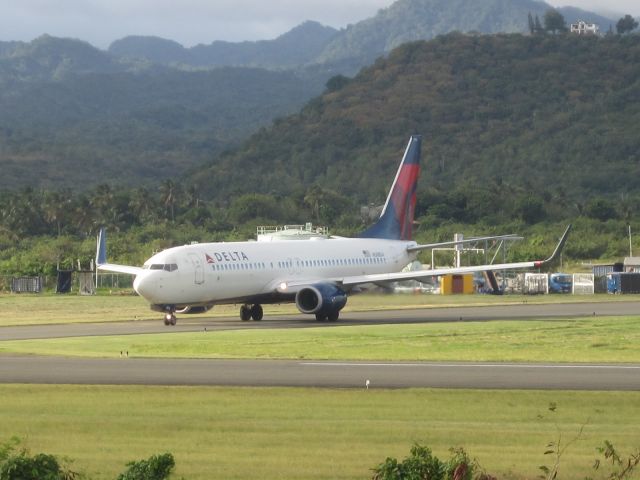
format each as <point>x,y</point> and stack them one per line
<point>144,285</point>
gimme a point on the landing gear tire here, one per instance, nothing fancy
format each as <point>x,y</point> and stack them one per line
<point>245,313</point>
<point>170,319</point>
<point>320,317</point>
<point>333,316</point>
<point>257,313</point>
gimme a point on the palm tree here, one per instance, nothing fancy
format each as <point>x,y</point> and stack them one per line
<point>143,205</point>
<point>55,207</point>
<point>168,191</point>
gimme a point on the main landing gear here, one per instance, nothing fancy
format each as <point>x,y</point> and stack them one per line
<point>332,317</point>
<point>248,312</point>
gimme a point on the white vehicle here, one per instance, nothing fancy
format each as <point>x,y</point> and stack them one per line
<point>316,274</point>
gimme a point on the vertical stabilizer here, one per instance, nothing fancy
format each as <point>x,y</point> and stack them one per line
<point>101,250</point>
<point>396,219</point>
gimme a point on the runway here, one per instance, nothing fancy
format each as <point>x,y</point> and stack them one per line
<point>303,373</point>
<point>194,323</point>
<point>283,373</point>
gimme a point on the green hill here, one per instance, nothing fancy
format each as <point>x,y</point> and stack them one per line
<point>72,115</point>
<point>411,20</point>
<point>503,116</point>
<point>358,45</point>
<point>519,133</point>
<point>292,49</point>
<point>52,58</point>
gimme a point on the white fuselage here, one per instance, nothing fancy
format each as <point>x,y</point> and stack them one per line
<point>234,272</point>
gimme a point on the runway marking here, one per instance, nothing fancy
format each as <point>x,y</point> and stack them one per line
<point>472,365</point>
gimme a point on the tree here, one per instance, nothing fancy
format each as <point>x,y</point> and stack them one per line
<point>39,467</point>
<point>601,209</point>
<point>422,464</point>
<point>142,204</point>
<point>22,466</point>
<point>554,21</point>
<point>538,26</point>
<point>253,206</point>
<point>168,191</point>
<point>626,24</point>
<point>55,207</point>
<point>156,467</point>
<point>337,83</point>
<point>532,26</point>
<point>530,209</point>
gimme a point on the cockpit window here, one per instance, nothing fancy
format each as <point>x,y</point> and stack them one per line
<point>169,267</point>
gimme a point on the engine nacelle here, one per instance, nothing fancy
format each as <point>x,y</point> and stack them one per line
<point>194,310</point>
<point>321,298</point>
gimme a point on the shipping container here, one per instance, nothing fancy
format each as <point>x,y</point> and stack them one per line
<point>622,282</point>
<point>456,284</point>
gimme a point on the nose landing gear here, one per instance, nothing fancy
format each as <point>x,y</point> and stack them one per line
<point>170,318</point>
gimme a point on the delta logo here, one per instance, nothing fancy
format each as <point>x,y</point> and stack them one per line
<point>226,257</point>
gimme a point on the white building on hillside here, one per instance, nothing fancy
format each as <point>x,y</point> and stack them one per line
<point>584,28</point>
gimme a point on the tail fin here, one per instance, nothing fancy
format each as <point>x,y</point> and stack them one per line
<point>101,249</point>
<point>396,219</point>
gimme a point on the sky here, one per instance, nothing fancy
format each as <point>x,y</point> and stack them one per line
<point>190,22</point>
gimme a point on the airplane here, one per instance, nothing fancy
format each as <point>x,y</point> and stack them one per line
<point>316,274</point>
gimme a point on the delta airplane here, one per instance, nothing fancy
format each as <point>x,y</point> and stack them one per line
<point>317,274</point>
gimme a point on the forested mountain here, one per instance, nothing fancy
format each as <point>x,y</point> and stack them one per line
<point>72,115</point>
<point>295,48</point>
<point>359,44</point>
<point>51,58</point>
<point>504,117</point>
<point>411,20</point>
<point>519,132</point>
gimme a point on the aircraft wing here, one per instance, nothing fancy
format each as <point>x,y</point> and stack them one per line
<point>421,274</point>
<point>289,287</point>
<point>429,246</point>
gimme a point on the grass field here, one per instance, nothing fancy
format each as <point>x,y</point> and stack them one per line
<point>273,433</point>
<point>25,309</point>
<point>607,339</point>
<point>295,433</point>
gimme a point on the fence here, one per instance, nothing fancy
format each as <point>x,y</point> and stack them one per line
<point>80,283</point>
<point>26,284</point>
<point>535,283</point>
<point>583,284</point>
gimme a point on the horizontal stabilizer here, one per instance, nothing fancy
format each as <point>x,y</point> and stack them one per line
<point>101,258</point>
<point>127,269</point>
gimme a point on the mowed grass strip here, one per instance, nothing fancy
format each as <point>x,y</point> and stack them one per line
<point>288,433</point>
<point>606,339</point>
<point>30,309</point>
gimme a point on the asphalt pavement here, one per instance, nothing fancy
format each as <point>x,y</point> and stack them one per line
<point>141,371</point>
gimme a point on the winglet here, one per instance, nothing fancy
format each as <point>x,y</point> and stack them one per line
<point>556,253</point>
<point>101,250</point>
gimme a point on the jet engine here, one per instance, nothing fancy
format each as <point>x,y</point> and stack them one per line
<point>324,299</point>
